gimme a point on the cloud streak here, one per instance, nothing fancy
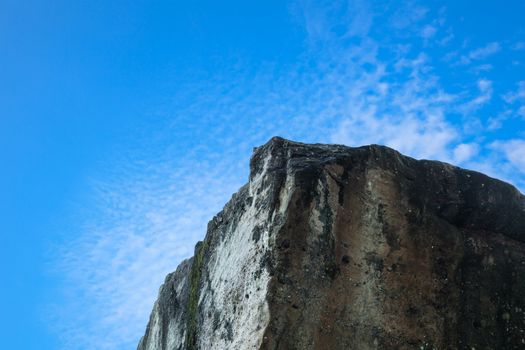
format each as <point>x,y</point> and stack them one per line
<point>481,53</point>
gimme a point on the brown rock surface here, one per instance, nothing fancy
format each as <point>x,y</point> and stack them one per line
<point>362,248</point>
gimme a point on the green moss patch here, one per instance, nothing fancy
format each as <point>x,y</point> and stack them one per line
<point>193,299</point>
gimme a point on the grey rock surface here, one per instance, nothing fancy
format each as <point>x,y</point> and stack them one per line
<point>332,247</point>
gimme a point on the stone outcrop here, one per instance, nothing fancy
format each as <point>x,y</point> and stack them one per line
<point>332,247</point>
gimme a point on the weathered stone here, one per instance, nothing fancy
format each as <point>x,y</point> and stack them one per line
<point>331,247</point>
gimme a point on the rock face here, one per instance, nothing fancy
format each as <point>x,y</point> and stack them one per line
<point>331,247</point>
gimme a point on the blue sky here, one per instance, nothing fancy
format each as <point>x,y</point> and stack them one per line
<point>124,126</point>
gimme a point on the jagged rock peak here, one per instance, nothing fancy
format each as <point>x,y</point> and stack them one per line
<point>333,247</point>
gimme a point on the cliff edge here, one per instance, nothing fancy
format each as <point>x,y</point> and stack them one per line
<point>332,247</point>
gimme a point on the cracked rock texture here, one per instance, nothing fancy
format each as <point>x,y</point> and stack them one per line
<point>332,247</point>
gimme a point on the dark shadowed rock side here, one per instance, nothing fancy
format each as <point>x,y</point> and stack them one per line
<point>332,247</point>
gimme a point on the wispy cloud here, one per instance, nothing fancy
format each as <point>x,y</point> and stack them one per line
<point>516,96</point>
<point>428,31</point>
<point>483,96</point>
<point>464,152</point>
<point>520,45</point>
<point>480,53</point>
<point>149,220</point>
<point>516,101</point>
<point>514,151</point>
<point>403,114</point>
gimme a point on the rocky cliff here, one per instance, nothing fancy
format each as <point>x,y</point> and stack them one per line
<point>331,247</point>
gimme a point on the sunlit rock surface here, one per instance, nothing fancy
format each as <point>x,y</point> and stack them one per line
<point>331,247</point>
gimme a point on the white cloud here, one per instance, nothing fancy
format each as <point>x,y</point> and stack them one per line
<point>481,53</point>
<point>422,138</point>
<point>319,23</point>
<point>514,152</point>
<point>406,16</point>
<point>521,111</point>
<point>482,68</point>
<point>446,39</point>
<point>484,95</point>
<point>428,31</point>
<point>146,225</point>
<point>485,51</point>
<point>496,122</point>
<point>409,116</point>
<point>464,152</point>
<point>485,89</point>
<point>516,96</point>
<point>516,100</point>
<point>520,45</point>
